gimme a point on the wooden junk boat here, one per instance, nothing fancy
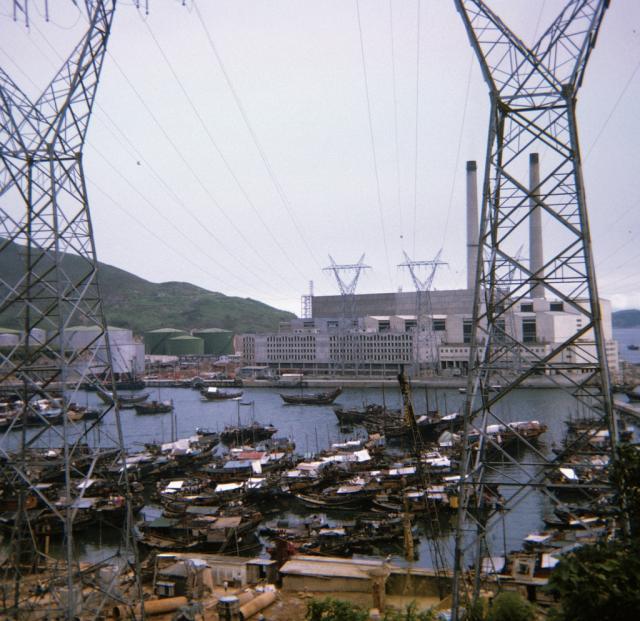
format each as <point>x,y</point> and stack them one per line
<point>245,434</point>
<point>357,416</point>
<point>154,407</point>
<point>312,398</point>
<point>212,393</point>
<point>123,401</point>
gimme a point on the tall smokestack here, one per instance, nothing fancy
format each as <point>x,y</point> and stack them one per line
<point>536,259</point>
<point>472,223</point>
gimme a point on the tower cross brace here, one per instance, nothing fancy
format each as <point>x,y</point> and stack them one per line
<point>44,219</point>
<point>532,108</point>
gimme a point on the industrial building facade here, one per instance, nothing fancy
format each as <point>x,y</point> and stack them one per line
<point>378,344</point>
<point>429,331</point>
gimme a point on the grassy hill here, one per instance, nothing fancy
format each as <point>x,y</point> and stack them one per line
<point>626,318</point>
<point>141,305</point>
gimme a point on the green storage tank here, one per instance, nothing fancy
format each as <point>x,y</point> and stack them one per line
<point>217,342</point>
<point>155,341</point>
<point>185,346</point>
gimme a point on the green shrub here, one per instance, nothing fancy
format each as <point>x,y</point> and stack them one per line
<point>599,582</point>
<point>410,613</point>
<point>474,611</point>
<point>509,606</point>
<point>330,609</point>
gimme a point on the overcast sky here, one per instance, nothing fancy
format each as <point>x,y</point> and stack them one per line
<point>235,144</point>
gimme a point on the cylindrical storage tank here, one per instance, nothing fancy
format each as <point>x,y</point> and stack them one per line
<point>155,341</point>
<point>185,346</point>
<point>78,337</point>
<point>217,342</point>
<point>9,338</point>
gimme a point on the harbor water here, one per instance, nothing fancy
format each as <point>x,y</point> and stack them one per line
<point>314,428</point>
<point>626,337</point>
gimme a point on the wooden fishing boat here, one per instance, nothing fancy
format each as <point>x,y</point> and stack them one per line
<point>244,434</point>
<point>213,393</point>
<point>312,398</point>
<point>154,407</point>
<point>344,497</point>
<point>123,401</point>
<point>357,416</point>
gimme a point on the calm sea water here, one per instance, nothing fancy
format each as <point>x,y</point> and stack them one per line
<point>626,337</point>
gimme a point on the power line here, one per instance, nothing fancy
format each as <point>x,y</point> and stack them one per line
<point>459,148</point>
<point>417,129</point>
<point>395,117</point>
<point>174,195</point>
<point>227,165</point>
<point>276,183</point>
<point>186,163</point>
<point>170,222</point>
<point>150,231</point>
<point>373,143</point>
<point>613,109</point>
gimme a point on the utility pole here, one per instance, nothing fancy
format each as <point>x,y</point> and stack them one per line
<point>533,108</point>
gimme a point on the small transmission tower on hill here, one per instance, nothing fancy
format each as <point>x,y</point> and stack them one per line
<point>423,274</point>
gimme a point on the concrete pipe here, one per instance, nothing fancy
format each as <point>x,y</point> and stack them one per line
<point>152,607</point>
<point>257,604</point>
<point>246,596</point>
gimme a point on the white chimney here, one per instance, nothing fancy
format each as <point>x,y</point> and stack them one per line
<point>536,260</point>
<point>472,223</point>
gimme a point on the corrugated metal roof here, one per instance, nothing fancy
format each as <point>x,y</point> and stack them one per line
<point>333,568</point>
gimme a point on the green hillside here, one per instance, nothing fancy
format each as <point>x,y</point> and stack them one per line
<point>626,318</point>
<point>141,305</point>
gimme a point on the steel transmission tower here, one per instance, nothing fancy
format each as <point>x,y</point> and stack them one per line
<point>533,108</point>
<point>347,287</point>
<point>426,348</point>
<point>47,235</point>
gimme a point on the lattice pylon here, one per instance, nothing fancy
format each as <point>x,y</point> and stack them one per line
<point>426,347</point>
<point>347,286</point>
<point>533,101</point>
<point>44,219</point>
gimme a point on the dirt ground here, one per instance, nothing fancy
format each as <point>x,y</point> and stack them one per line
<point>292,606</point>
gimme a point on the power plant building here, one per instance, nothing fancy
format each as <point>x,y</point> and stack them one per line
<point>384,330</point>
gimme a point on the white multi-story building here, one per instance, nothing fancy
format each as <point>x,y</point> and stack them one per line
<point>388,333</point>
<point>438,343</point>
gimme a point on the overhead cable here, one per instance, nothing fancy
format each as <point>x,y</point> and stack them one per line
<point>373,145</point>
<point>228,167</point>
<point>276,183</point>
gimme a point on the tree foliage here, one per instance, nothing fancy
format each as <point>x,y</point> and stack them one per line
<point>510,606</point>
<point>625,478</point>
<point>330,609</point>
<point>599,582</point>
<point>410,613</point>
